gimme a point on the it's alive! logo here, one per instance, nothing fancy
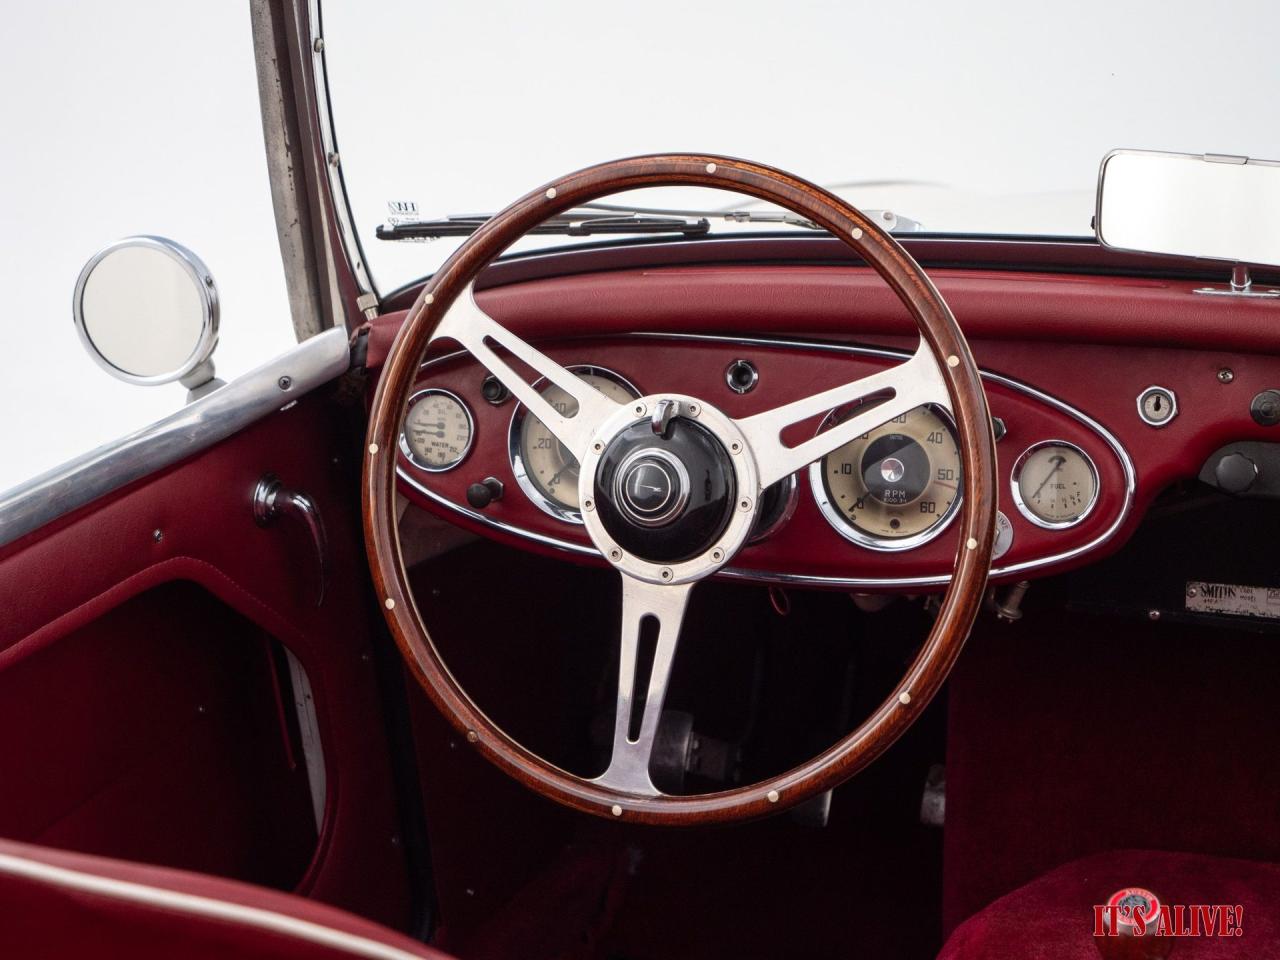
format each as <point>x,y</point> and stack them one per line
<point>1134,923</point>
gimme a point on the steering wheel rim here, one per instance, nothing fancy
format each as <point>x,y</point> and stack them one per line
<point>434,315</point>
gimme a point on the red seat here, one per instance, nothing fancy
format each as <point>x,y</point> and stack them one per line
<point>1052,918</point>
<point>56,904</point>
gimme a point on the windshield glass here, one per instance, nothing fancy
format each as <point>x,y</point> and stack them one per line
<point>978,118</point>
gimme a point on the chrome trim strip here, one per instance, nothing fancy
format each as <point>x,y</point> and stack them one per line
<point>304,705</point>
<point>163,900</point>
<point>1122,455</point>
<point>195,427</point>
<point>480,518</point>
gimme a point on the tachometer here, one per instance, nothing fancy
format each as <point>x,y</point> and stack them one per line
<point>1055,484</point>
<point>437,430</point>
<point>896,486</point>
<point>544,469</point>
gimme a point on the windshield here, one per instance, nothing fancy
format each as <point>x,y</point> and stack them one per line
<point>977,118</point>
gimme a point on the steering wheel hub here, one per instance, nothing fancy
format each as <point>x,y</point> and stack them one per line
<point>665,498</point>
<point>667,501</point>
<point>651,487</point>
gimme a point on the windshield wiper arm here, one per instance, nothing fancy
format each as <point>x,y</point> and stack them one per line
<point>894,223</point>
<point>582,222</point>
<point>599,219</point>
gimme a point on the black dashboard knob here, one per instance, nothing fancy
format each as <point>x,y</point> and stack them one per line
<point>494,390</point>
<point>1235,473</point>
<point>1265,408</point>
<point>481,494</point>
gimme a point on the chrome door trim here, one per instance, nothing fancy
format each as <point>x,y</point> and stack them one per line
<point>889,353</point>
<point>196,427</point>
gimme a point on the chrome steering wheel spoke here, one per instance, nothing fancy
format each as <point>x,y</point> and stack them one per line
<point>645,606</point>
<point>475,330</point>
<point>904,387</point>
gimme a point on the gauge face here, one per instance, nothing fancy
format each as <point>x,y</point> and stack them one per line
<point>437,430</point>
<point>896,486</point>
<point>1055,484</point>
<point>545,470</point>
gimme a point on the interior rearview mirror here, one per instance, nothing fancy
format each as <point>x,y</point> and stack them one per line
<point>1199,205</point>
<point>146,310</point>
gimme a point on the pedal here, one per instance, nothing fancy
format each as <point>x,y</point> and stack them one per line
<point>933,804</point>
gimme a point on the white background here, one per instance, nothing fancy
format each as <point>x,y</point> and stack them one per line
<point>141,116</point>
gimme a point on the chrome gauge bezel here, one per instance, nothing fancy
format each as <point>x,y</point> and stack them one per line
<point>1026,510</point>
<point>516,456</point>
<point>791,491</point>
<point>843,526</point>
<point>404,440</point>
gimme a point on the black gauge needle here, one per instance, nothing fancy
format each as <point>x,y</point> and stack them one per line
<point>555,477</point>
<point>1057,462</point>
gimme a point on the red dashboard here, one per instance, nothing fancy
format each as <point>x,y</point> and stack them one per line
<point>1065,358</point>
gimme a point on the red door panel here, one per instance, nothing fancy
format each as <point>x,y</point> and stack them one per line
<point>122,620</point>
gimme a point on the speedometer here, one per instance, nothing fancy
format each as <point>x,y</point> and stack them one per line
<point>896,486</point>
<point>545,470</point>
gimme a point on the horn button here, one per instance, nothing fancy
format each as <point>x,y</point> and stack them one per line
<point>665,498</point>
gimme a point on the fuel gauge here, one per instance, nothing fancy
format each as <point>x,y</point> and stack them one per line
<point>1055,484</point>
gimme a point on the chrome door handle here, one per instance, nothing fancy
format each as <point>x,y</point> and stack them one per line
<point>272,499</point>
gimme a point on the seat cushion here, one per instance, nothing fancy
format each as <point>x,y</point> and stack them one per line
<point>1052,918</point>
<point>59,904</point>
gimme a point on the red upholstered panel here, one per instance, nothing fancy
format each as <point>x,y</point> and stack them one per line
<point>165,744</point>
<point>47,917</point>
<point>76,571</point>
<point>1052,918</point>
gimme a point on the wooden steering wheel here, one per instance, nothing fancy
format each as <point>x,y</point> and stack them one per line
<point>660,531</point>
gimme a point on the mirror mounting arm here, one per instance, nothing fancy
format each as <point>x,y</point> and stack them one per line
<point>1241,286</point>
<point>201,381</point>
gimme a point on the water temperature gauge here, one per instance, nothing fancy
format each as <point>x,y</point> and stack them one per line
<point>1055,484</point>
<point>437,430</point>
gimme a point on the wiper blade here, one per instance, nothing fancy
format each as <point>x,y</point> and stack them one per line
<point>599,219</point>
<point>584,222</point>
<point>892,222</point>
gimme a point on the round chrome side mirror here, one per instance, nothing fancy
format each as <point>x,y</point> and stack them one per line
<point>146,310</point>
